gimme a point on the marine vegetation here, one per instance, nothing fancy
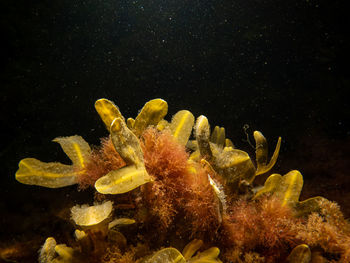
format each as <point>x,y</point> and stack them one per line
<point>179,192</point>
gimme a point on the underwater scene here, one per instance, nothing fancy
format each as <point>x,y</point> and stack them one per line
<point>161,131</point>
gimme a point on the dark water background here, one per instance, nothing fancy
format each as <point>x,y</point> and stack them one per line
<point>279,66</point>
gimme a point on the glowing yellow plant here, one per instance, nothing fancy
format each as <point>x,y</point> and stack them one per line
<point>233,164</point>
<point>34,172</point>
<point>190,192</point>
<point>288,188</point>
<point>300,254</point>
<point>172,255</point>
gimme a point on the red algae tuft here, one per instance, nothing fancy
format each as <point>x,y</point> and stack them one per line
<point>180,188</point>
<point>102,160</point>
<point>164,157</point>
<point>264,226</point>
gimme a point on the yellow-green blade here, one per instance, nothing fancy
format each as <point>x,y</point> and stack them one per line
<point>166,255</point>
<point>76,148</point>
<point>235,164</point>
<point>162,124</point>
<point>273,160</point>
<point>270,185</point>
<point>202,132</point>
<point>261,150</point>
<point>289,189</point>
<point>53,175</point>
<point>192,144</point>
<point>126,143</point>
<point>121,222</point>
<point>181,126</point>
<point>300,254</point>
<point>218,136</point>
<point>191,248</point>
<point>130,123</point>
<point>47,252</point>
<point>108,111</point>
<point>65,254</point>
<point>122,180</point>
<point>229,143</point>
<point>150,114</point>
<point>195,156</point>
<point>208,256</point>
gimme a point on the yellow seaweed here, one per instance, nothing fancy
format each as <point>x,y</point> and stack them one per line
<point>122,180</point>
<point>191,248</point>
<point>260,150</point>
<point>52,175</point>
<point>181,126</point>
<point>79,235</point>
<point>235,164</point>
<point>262,153</point>
<point>162,124</point>
<point>76,148</point>
<point>121,222</point>
<point>214,152</point>
<point>218,136</point>
<point>52,253</point>
<point>126,143</point>
<point>130,122</point>
<point>270,185</point>
<point>128,146</point>
<point>86,215</point>
<point>202,130</point>
<point>229,143</point>
<point>287,188</point>
<point>208,256</point>
<point>150,114</point>
<point>172,255</point>
<point>108,111</point>
<point>300,254</point>
<point>166,255</point>
<point>195,156</point>
<point>47,251</point>
<point>67,255</point>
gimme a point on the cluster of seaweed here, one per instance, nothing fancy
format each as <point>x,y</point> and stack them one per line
<point>161,196</point>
